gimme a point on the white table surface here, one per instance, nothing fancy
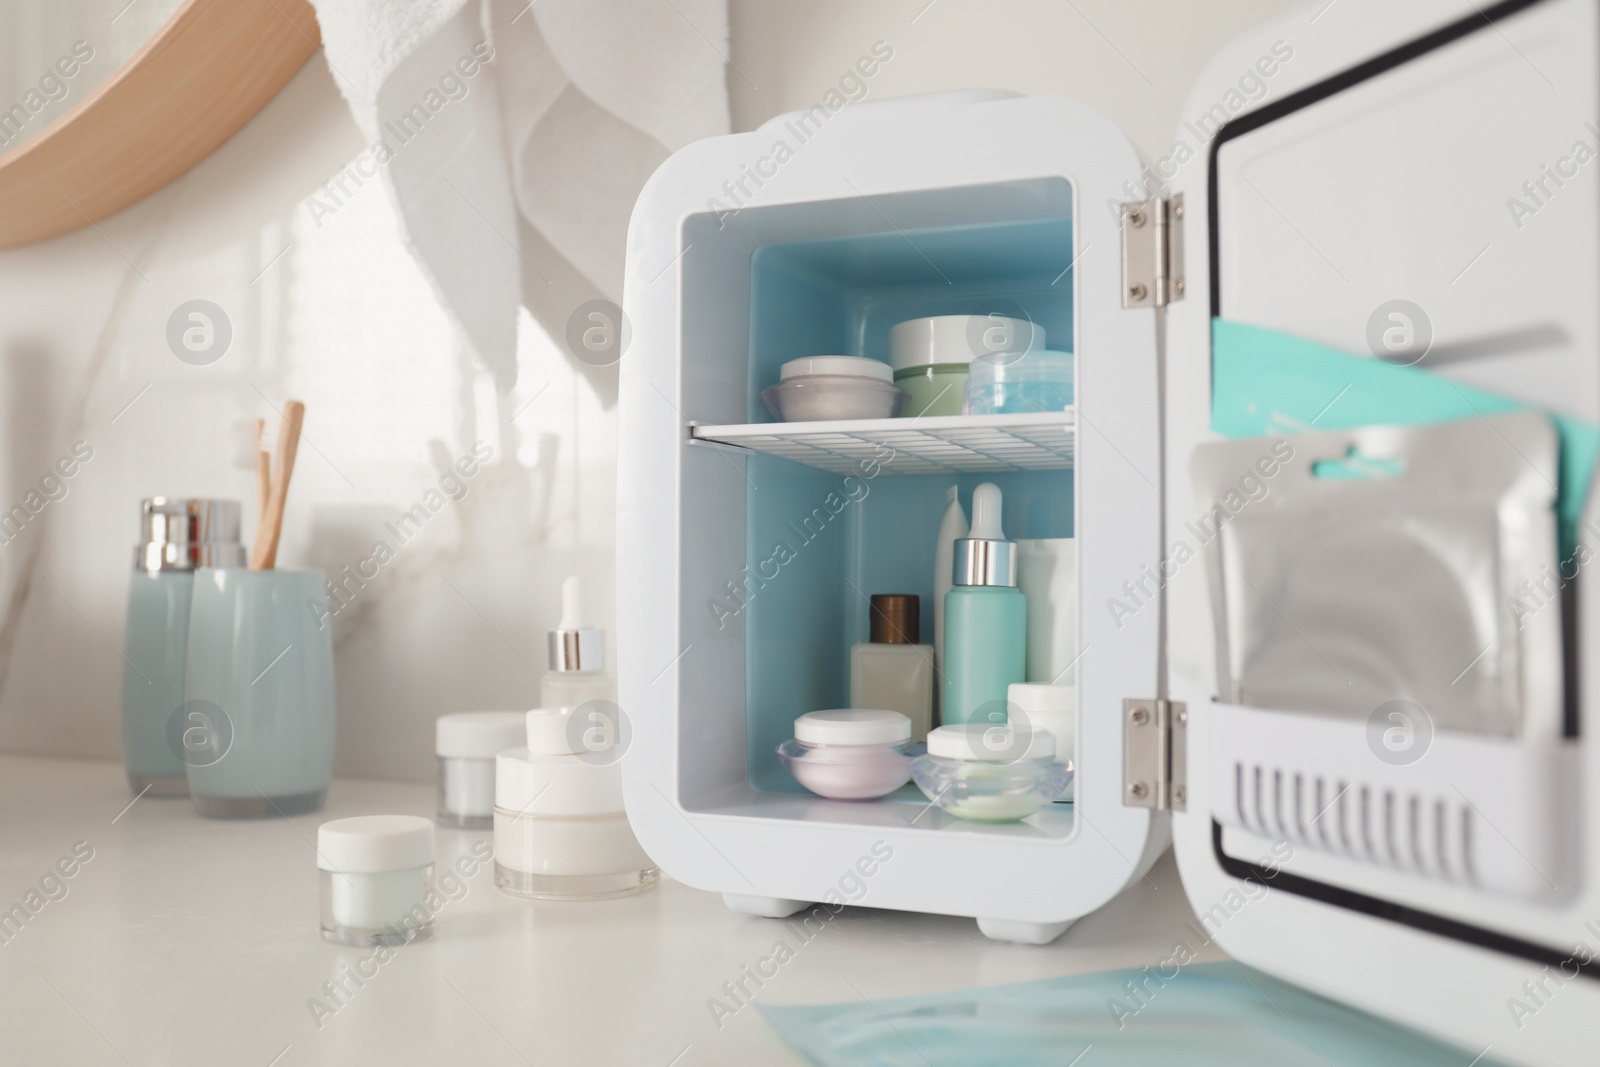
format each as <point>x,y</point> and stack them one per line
<point>195,941</point>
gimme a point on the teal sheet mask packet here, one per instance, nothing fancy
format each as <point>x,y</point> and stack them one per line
<point>1356,567</point>
<point>1268,382</point>
<point>1172,1012</point>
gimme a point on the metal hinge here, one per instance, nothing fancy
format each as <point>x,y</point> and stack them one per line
<point>1155,755</point>
<point>1152,252</point>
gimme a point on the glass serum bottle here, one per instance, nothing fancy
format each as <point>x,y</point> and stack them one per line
<point>891,671</point>
<point>578,671</point>
<point>985,619</point>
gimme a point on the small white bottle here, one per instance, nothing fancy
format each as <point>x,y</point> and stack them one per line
<point>952,527</point>
<point>577,671</point>
<point>1051,709</point>
<point>892,671</point>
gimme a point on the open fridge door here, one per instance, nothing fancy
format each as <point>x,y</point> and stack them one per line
<point>1380,190</point>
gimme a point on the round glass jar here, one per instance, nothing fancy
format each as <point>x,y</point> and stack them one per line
<point>850,753</point>
<point>1007,383</point>
<point>986,772</point>
<point>829,388</point>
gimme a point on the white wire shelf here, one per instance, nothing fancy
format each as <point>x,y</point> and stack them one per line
<point>925,445</point>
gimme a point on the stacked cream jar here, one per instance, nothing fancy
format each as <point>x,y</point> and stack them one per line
<point>932,357</point>
<point>941,365</point>
<point>560,832</point>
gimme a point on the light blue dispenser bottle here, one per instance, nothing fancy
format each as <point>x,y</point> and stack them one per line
<point>985,619</point>
<point>176,536</point>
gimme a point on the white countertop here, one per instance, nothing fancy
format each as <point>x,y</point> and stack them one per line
<point>194,941</point>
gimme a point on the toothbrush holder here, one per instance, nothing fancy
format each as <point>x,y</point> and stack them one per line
<point>258,725</point>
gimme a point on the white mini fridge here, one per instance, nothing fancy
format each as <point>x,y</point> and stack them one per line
<point>1349,155</point>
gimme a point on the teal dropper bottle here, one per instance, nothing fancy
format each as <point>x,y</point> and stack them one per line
<point>985,619</point>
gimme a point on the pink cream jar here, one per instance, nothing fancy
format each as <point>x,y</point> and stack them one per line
<point>850,753</point>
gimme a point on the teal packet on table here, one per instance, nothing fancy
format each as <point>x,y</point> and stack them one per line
<point>1267,383</point>
<point>1204,1015</point>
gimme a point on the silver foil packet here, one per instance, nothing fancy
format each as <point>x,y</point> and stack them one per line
<point>1385,563</point>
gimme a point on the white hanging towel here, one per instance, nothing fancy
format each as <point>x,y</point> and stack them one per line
<point>417,78</point>
<point>561,108</point>
<point>599,93</point>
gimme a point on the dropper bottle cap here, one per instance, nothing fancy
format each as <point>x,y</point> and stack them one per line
<point>574,646</point>
<point>985,557</point>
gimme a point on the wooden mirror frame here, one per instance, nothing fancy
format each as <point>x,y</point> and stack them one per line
<point>205,73</point>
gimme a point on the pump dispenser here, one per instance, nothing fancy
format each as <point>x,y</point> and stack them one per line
<point>577,656</point>
<point>985,619</point>
<point>179,536</point>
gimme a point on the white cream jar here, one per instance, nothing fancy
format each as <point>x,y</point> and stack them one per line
<point>377,878</point>
<point>560,832</point>
<point>466,744</point>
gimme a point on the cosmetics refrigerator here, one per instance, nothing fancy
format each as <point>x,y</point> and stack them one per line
<point>747,548</point>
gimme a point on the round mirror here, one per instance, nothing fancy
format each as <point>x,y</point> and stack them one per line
<point>102,102</point>
<point>57,54</point>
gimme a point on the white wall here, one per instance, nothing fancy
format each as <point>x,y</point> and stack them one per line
<point>329,310</point>
<point>1133,60</point>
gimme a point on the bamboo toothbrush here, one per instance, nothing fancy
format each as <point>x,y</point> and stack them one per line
<point>263,470</point>
<point>264,552</point>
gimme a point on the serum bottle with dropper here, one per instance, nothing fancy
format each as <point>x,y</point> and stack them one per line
<point>578,671</point>
<point>985,619</point>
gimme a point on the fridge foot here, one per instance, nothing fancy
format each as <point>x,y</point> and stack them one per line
<point>1022,931</point>
<point>765,907</point>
